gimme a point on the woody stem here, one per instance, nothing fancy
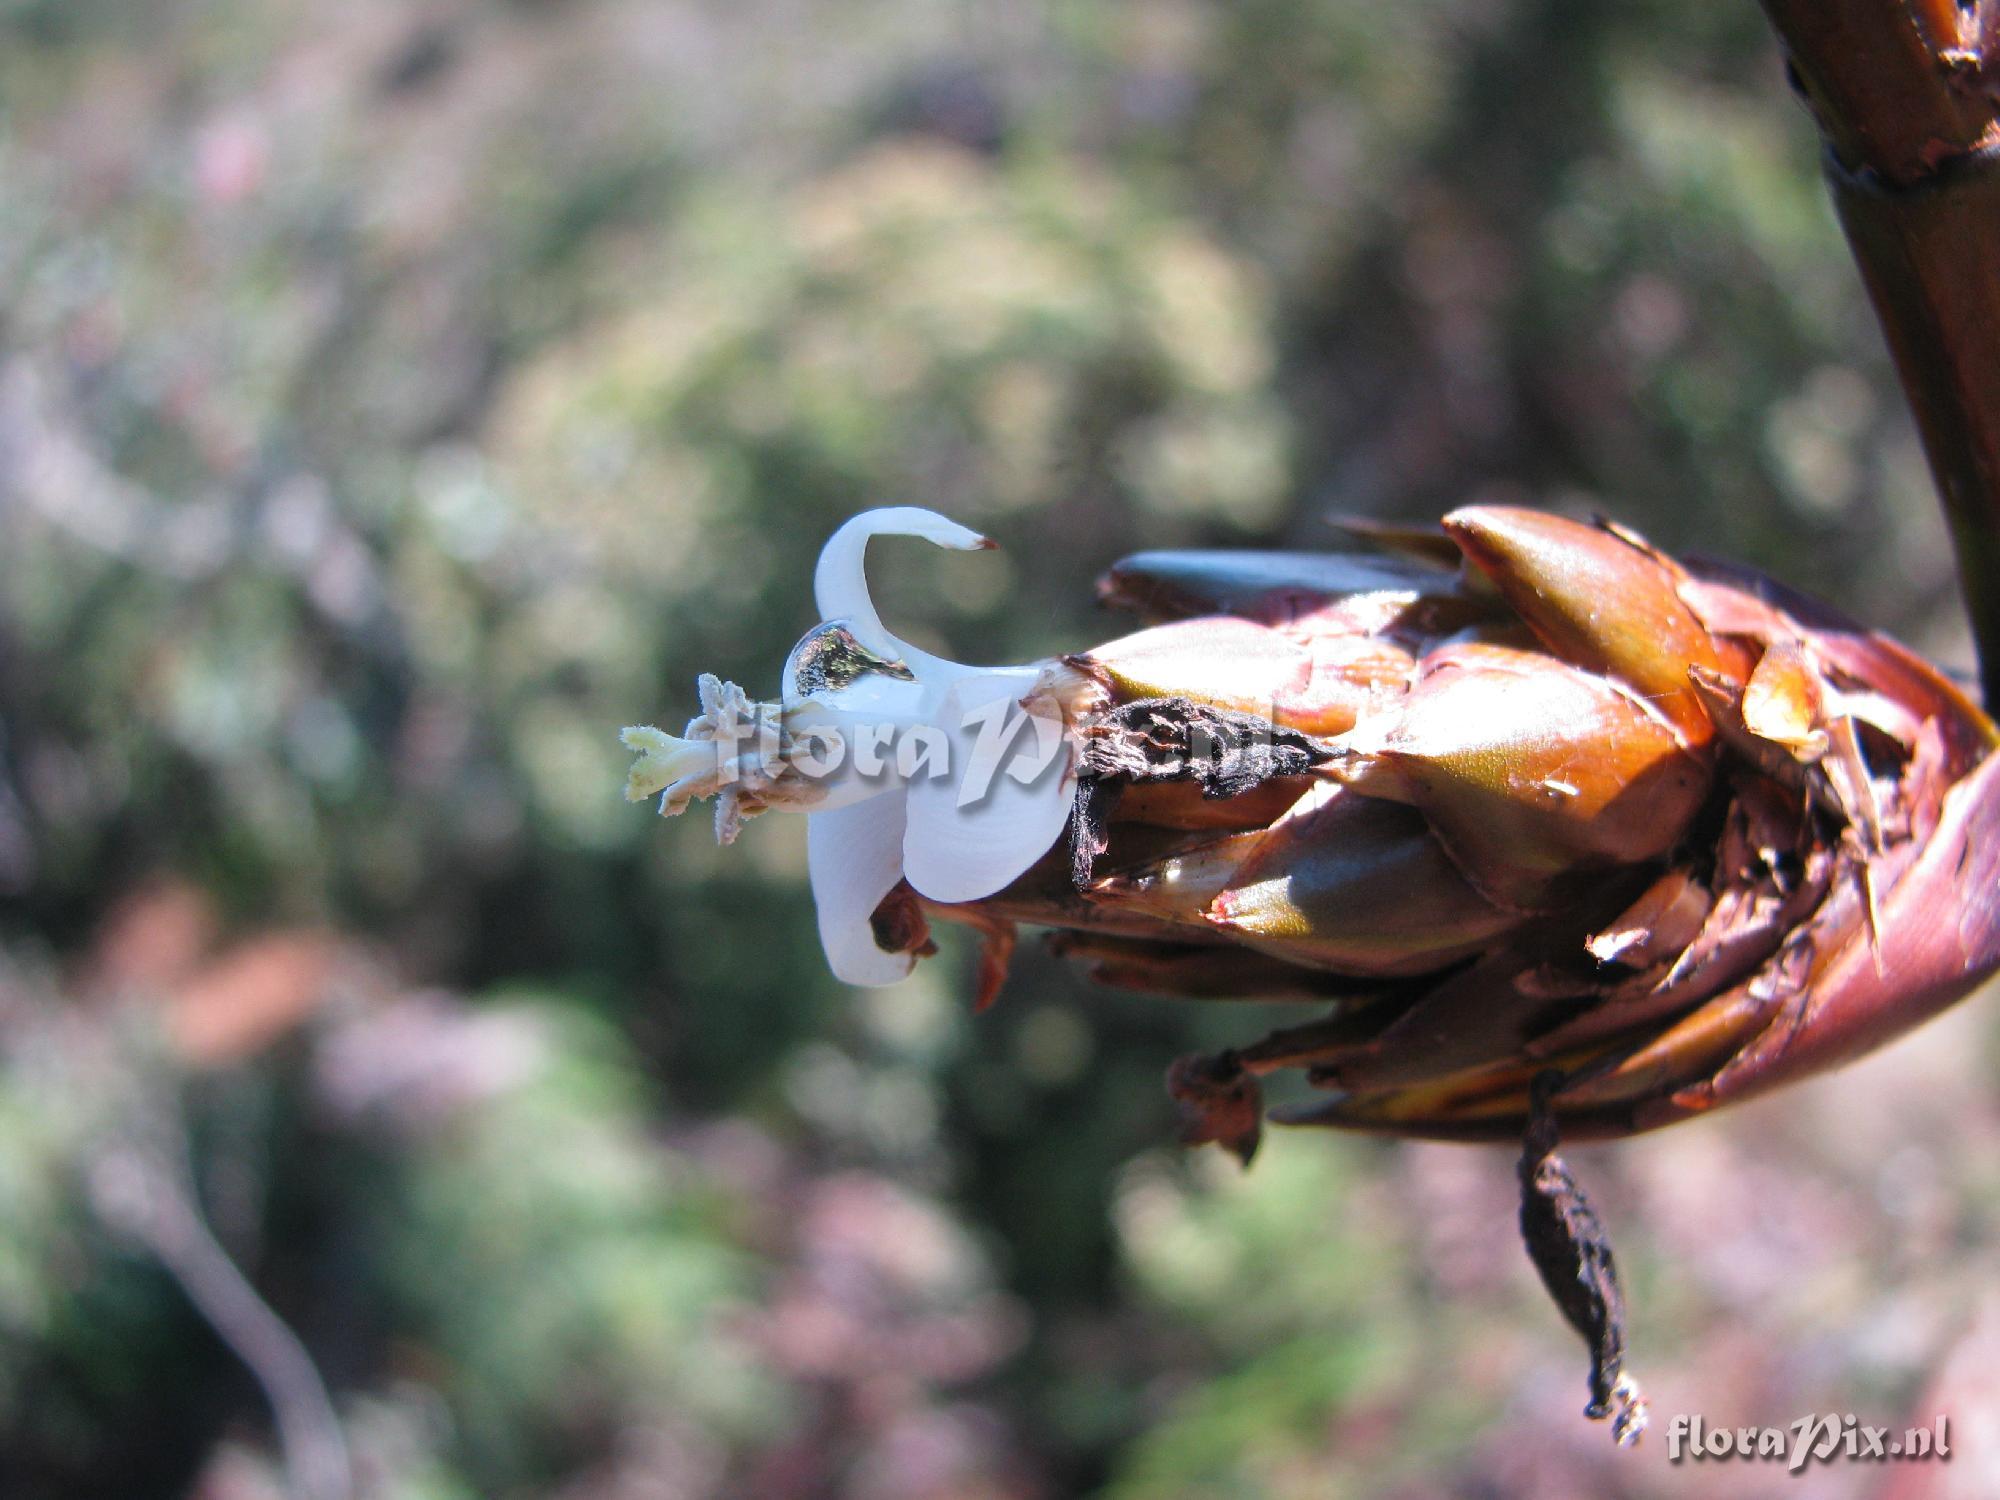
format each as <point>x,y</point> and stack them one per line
<point>1907,96</point>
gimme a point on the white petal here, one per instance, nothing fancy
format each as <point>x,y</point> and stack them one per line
<point>854,855</point>
<point>840,582</point>
<point>973,831</point>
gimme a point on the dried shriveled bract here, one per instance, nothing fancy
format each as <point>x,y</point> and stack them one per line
<point>1569,839</point>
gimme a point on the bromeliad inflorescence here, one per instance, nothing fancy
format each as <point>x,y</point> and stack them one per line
<point>1567,837</point>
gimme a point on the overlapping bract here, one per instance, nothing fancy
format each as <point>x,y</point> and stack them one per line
<point>1554,804</point>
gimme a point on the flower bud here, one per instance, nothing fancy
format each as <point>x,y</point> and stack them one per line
<point>1342,883</point>
<point>1323,591</point>
<point>1532,773</point>
<point>1249,668</point>
<point>1601,600</point>
<point>1358,886</point>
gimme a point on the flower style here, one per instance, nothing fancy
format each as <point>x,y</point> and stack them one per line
<point>909,767</point>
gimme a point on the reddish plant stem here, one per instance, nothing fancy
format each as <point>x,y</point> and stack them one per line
<point>1904,94</point>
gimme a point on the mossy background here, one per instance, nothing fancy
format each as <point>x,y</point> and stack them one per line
<point>397,399</point>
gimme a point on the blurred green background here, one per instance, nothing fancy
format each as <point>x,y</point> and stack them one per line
<point>396,399</point>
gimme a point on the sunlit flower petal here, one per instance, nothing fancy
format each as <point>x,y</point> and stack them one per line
<point>1006,798</point>
<point>854,857</point>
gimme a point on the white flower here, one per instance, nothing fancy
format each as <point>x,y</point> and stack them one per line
<point>956,778</point>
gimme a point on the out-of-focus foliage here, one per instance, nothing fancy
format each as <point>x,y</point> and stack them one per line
<point>395,401</point>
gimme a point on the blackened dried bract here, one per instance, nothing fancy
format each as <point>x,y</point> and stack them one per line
<point>1571,1251</point>
<point>1151,740</point>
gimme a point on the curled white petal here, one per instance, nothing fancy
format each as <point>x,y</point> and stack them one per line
<point>1007,796</point>
<point>854,856</point>
<point>840,582</point>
